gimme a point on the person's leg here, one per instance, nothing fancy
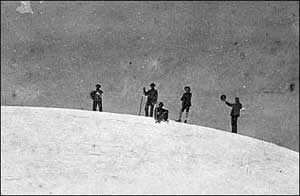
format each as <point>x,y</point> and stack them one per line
<point>100,106</point>
<point>234,124</point>
<point>155,114</point>
<point>94,105</point>
<point>160,118</point>
<point>166,115</point>
<point>180,113</point>
<point>146,109</point>
<point>187,113</point>
<point>151,109</point>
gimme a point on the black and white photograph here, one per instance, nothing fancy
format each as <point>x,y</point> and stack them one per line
<point>150,97</point>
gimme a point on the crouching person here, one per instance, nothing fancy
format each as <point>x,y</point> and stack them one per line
<point>160,113</point>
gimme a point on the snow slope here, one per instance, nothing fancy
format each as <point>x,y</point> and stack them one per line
<point>64,151</point>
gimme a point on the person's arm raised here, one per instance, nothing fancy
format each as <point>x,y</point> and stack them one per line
<point>229,104</point>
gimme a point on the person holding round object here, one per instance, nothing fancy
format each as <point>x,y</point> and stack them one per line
<point>235,111</point>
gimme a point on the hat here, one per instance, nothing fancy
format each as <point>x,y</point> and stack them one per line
<point>223,97</point>
<point>98,85</point>
<point>187,87</point>
<point>152,84</point>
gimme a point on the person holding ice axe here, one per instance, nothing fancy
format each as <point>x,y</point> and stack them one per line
<point>151,100</point>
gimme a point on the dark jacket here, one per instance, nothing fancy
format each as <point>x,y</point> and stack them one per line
<point>97,96</point>
<point>152,95</point>
<point>160,112</point>
<point>186,99</point>
<point>236,107</point>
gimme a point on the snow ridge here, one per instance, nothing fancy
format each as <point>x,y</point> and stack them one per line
<point>65,151</point>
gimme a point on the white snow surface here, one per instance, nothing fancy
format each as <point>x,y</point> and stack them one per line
<point>66,151</point>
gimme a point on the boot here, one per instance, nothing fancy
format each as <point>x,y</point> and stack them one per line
<point>186,117</point>
<point>180,114</point>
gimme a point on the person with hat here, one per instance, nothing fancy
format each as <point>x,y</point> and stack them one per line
<point>186,103</point>
<point>161,114</point>
<point>97,98</point>
<point>235,112</point>
<point>151,100</point>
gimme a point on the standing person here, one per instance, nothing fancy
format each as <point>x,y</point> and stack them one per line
<point>152,99</point>
<point>161,114</point>
<point>186,103</point>
<point>97,98</point>
<point>235,112</point>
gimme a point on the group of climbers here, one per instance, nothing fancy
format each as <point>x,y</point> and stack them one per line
<point>161,113</point>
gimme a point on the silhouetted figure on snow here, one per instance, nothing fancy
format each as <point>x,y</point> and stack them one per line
<point>161,114</point>
<point>151,100</point>
<point>235,112</point>
<point>97,98</point>
<point>186,103</point>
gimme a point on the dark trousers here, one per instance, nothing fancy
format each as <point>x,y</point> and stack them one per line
<point>234,123</point>
<point>163,116</point>
<point>151,105</point>
<point>185,107</point>
<point>97,103</point>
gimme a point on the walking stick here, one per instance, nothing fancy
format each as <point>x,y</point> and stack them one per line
<point>141,105</point>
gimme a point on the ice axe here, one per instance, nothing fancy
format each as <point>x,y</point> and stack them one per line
<point>141,105</point>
